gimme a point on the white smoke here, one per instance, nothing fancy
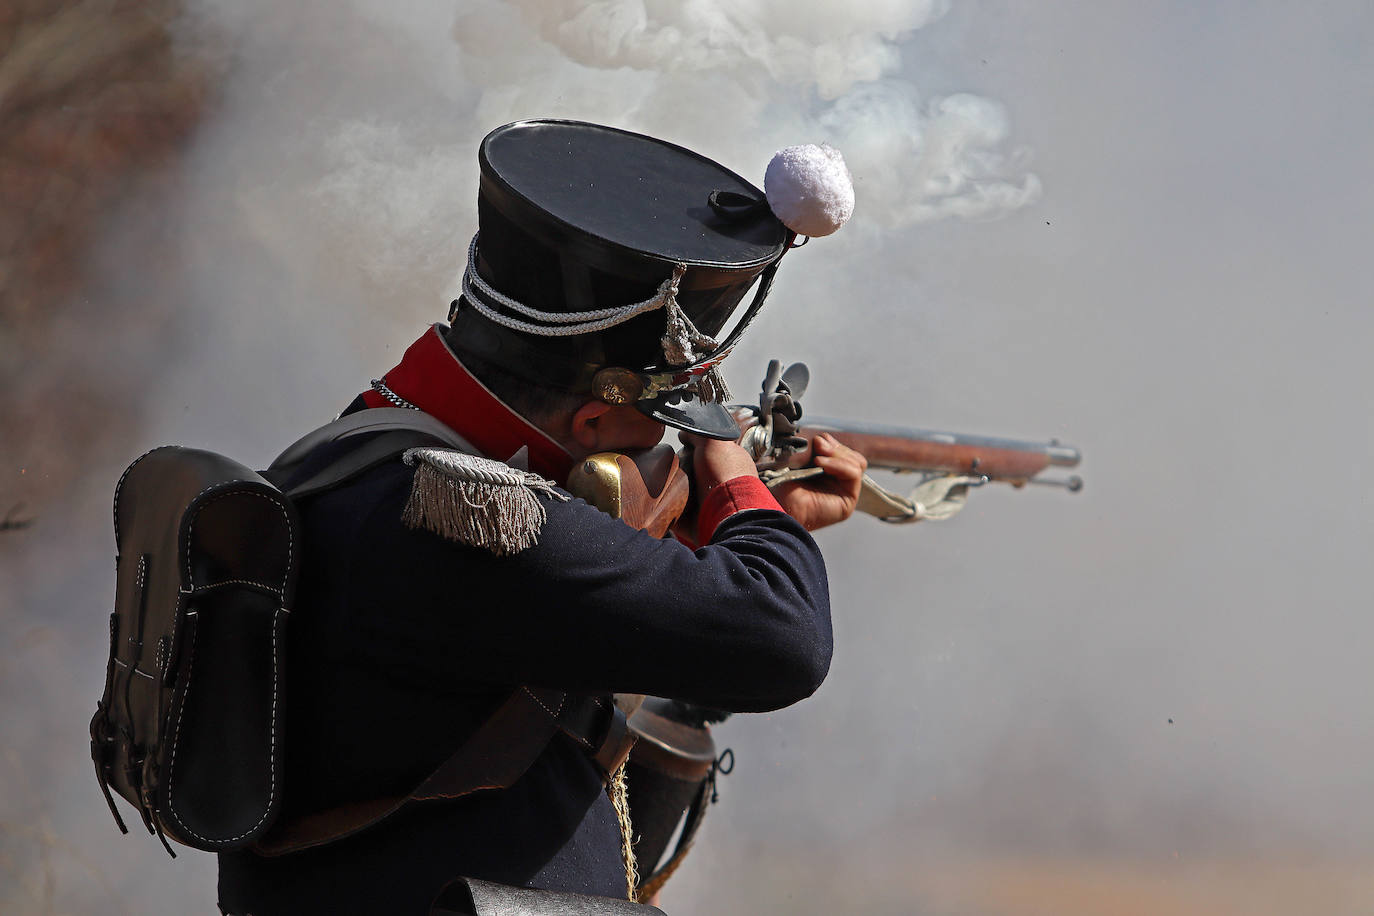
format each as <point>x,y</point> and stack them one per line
<point>737,80</point>
<point>792,44</point>
<point>1166,668</point>
<point>373,177</point>
<point>322,213</point>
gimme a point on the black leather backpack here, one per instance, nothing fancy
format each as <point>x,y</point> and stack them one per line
<point>188,729</point>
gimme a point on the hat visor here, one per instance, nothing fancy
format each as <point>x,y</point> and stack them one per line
<point>684,410</point>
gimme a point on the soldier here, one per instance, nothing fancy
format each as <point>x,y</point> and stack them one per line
<point>436,589</point>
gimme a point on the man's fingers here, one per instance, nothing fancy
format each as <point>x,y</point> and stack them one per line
<point>839,476</point>
<point>847,458</point>
<point>838,460</point>
<point>827,445</point>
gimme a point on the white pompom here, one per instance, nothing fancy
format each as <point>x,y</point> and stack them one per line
<point>809,189</point>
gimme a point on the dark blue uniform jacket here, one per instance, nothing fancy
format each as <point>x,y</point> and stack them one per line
<point>402,642</point>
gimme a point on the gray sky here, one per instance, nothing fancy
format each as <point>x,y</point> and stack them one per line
<point>1138,227</point>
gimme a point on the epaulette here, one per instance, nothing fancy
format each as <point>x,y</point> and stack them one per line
<point>477,501</point>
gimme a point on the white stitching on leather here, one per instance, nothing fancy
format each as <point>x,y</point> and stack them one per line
<point>139,671</point>
<point>578,738</point>
<point>176,738</point>
<point>120,485</point>
<point>541,703</point>
<point>271,744</point>
<point>262,585</point>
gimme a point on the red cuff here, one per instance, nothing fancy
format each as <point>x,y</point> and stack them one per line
<point>734,495</point>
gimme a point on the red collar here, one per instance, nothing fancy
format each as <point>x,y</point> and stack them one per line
<point>431,377</point>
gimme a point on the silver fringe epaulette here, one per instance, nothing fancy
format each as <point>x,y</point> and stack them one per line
<point>476,501</point>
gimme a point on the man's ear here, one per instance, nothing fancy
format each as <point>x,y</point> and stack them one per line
<point>586,430</point>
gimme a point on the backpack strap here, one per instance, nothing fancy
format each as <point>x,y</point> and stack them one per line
<point>399,429</point>
<point>372,420</point>
<point>495,756</point>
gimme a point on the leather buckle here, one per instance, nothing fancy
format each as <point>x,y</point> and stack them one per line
<point>615,747</point>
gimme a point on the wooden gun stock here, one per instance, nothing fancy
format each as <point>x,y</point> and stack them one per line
<point>647,490</point>
<point>951,458</point>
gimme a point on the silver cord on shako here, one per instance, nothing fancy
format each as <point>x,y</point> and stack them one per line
<point>572,322</point>
<point>682,342</point>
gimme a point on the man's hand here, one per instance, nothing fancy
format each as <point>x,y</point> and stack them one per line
<point>829,497</point>
<point>815,502</point>
<point>714,461</point>
<point>709,463</point>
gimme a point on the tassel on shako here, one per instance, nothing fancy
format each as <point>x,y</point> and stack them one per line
<point>476,501</point>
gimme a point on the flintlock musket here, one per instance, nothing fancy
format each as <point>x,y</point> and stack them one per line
<point>650,490</point>
<point>948,463</point>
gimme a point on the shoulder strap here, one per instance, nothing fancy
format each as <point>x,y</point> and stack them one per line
<point>355,461</point>
<point>399,429</point>
<point>372,420</point>
<point>495,757</point>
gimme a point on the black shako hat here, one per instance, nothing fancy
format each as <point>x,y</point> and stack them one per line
<point>608,262</point>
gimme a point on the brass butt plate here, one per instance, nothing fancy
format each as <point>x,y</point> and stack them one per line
<point>597,481</point>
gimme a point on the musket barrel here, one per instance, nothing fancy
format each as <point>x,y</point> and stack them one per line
<point>905,448</point>
<point>1062,456</point>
